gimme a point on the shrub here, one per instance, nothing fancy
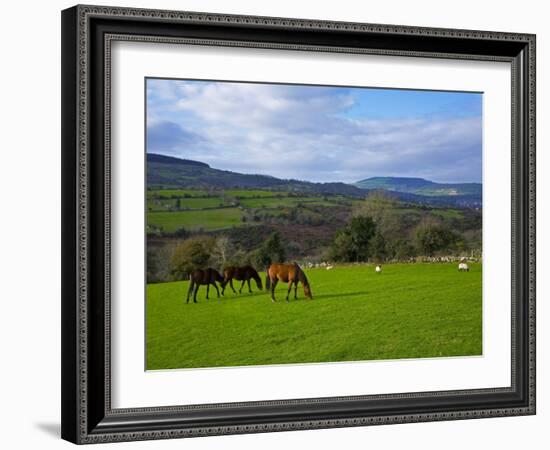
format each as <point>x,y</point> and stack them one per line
<point>192,254</point>
<point>353,242</point>
<point>435,238</point>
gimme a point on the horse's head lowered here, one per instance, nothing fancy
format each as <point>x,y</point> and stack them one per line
<point>307,289</point>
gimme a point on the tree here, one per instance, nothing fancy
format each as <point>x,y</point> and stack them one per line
<point>222,251</point>
<point>352,243</point>
<point>361,230</point>
<point>382,208</point>
<point>434,238</point>
<point>192,254</point>
<point>342,247</point>
<point>181,233</point>
<point>402,249</point>
<point>378,247</point>
<point>271,251</point>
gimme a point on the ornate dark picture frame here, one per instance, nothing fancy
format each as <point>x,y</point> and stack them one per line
<point>87,34</point>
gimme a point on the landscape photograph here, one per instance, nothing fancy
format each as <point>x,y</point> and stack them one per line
<point>296,224</point>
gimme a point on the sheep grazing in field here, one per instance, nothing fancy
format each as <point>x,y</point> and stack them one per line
<point>378,269</point>
<point>330,267</point>
<point>463,267</point>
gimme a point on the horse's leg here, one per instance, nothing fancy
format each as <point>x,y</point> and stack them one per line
<point>231,284</point>
<point>289,288</point>
<point>273,284</point>
<point>207,290</point>
<point>195,293</point>
<point>295,290</point>
<point>249,290</point>
<point>217,290</point>
<point>242,284</point>
<point>191,286</point>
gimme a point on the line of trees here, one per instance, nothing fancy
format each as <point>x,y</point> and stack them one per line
<point>376,232</point>
<point>206,251</point>
<point>378,229</point>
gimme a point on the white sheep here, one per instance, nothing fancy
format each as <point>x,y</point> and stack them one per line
<point>378,269</point>
<point>463,267</point>
<point>330,267</point>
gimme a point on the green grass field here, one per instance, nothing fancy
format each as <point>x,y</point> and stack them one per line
<point>170,193</point>
<point>286,201</point>
<point>408,311</point>
<point>251,193</point>
<point>185,203</point>
<point>207,219</point>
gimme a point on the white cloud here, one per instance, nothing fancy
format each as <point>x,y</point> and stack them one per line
<point>308,133</point>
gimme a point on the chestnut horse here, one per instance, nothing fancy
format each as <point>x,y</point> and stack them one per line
<point>287,273</point>
<point>243,274</point>
<point>200,277</point>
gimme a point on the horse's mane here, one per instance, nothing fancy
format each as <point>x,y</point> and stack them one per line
<point>302,276</point>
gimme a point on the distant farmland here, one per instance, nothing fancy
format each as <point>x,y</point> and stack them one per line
<point>207,219</point>
<point>171,209</point>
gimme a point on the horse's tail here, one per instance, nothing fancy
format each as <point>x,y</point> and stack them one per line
<point>267,279</point>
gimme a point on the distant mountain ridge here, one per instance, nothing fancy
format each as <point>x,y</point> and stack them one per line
<point>170,172</point>
<point>184,173</point>
<point>156,158</point>
<point>420,186</point>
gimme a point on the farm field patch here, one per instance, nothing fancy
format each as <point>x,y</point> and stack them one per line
<point>207,219</point>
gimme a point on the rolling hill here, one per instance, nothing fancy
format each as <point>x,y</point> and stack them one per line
<point>170,172</point>
<point>420,186</point>
<point>167,172</point>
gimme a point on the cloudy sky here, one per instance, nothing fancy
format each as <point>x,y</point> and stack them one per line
<point>317,133</point>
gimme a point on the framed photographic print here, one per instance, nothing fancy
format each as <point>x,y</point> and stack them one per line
<point>278,224</point>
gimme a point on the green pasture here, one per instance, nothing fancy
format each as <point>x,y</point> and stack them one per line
<point>408,311</point>
<point>207,219</point>
<point>237,193</point>
<point>448,213</point>
<point>252,193</point>
<point>274,202</point>
<point>184,203</point>
<point>172,193</point>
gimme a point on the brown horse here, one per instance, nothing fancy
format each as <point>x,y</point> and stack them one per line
<point>243,274</point>
<point>200,277</point>
<point>287,273</point>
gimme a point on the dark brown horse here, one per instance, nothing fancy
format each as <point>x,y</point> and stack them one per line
<point>287,273</point>
<point>243,274</point>
<point>200,277</point>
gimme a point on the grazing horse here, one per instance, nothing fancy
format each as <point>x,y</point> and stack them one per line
<point>243,274</point>
<point>287,273</point>
<point>200,277</point>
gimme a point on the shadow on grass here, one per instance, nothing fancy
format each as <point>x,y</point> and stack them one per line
<point>337,296</point>
<point>280,296</point>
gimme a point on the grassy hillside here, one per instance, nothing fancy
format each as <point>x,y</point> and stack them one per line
<point>207,219</point>
<point>420,186</point>
<point>173,209</point>
<point>168,173</point>
<point>409,311</point>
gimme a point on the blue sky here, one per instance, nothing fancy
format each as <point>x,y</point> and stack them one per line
<point>317,133</point>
